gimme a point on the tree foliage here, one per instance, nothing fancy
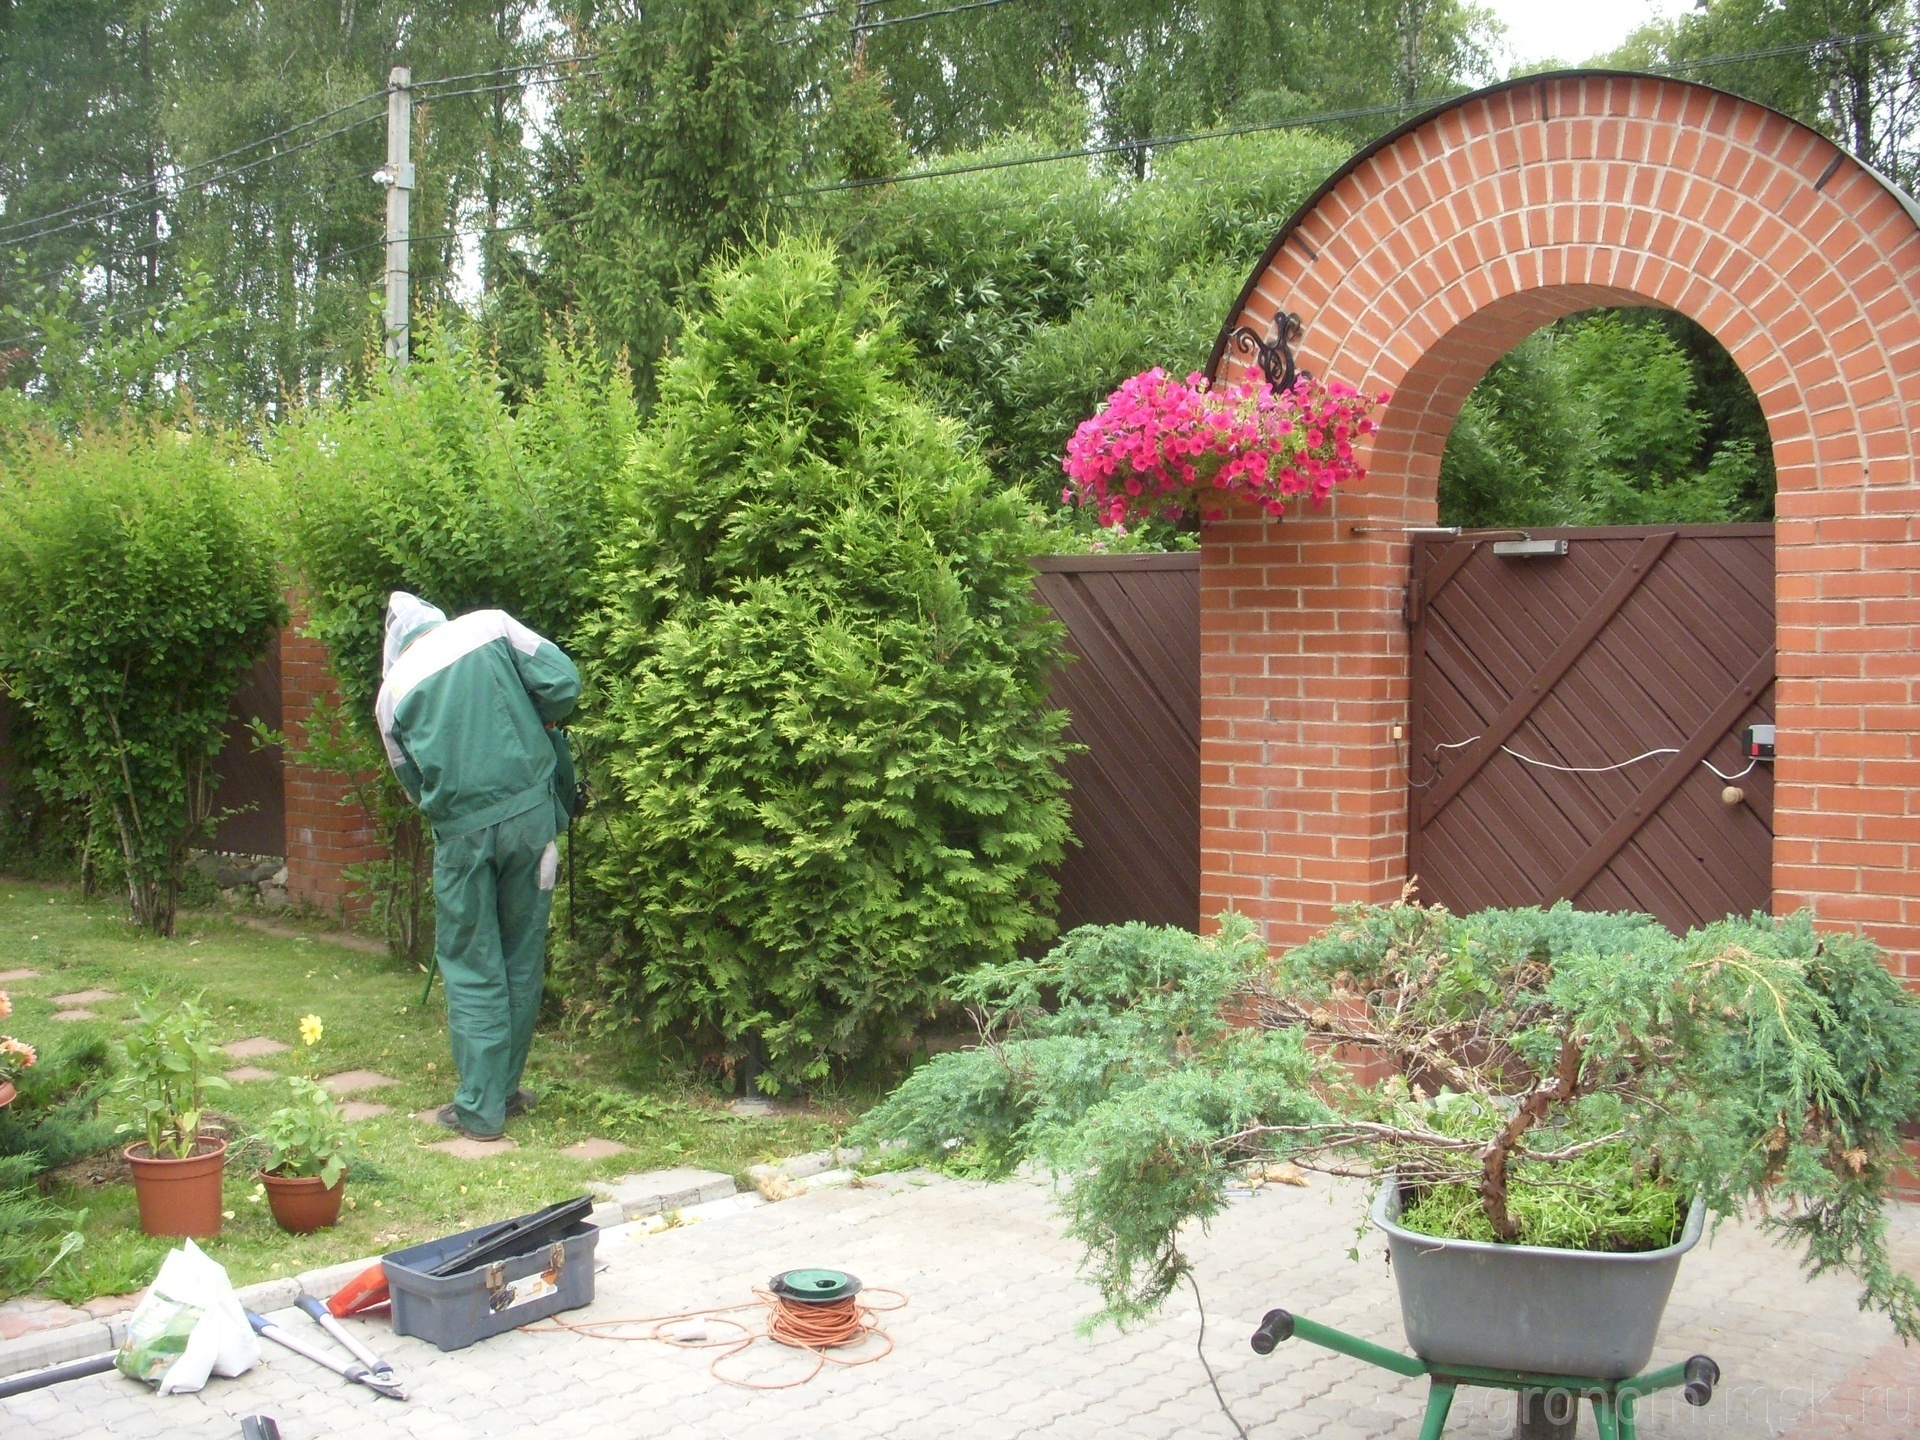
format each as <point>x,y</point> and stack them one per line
<point>1533,1050</point>
<point>1030,294</point>
<point>1850,68</point>
<point>828,759</point>
<point>137,584</point>
<point>1602,420</point>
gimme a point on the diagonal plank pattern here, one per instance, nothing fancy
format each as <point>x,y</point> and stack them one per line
<point>1635,641</point>
<point>1132,691</point>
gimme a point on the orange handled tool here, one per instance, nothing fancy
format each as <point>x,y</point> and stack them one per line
<point>363,1292</point>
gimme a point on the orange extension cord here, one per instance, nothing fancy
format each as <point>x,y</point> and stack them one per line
<point>819,1329</point>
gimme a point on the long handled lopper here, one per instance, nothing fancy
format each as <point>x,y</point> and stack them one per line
<point>371,1371</point>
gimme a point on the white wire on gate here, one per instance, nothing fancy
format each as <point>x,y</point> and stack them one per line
<point>1583,769</point>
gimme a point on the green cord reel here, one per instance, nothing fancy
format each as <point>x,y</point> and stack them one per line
<point>814,1287</point>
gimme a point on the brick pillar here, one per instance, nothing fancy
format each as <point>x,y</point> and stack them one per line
<point>326,830</point>
<point>1303,677</point>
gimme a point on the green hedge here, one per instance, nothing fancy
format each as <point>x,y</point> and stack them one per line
<point>138,582</point>
<point>819,687</point>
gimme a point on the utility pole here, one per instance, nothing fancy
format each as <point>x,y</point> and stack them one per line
<point>399,178</point>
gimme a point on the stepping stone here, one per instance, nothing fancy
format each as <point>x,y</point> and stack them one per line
<point>20,974</point>
<point>461,1148</point>
<point>69,1015</point>
<point>594,1149</point>
<point>363,1110</point>
<point>348,1081</point>
<point>245,1073</point>
<point>754,1107</point>
<point>84,997</point>
<point>253,1049</point>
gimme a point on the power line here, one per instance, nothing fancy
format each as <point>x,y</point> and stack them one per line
<point>510,85</point>
<point>1325,117</point>
<point>859,25</point>
<point>198,165</point>
<point>214,179</point>
<point>587,58</point>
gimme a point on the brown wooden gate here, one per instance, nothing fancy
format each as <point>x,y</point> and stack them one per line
<point>1133,690</point>
<point>1637,640</point>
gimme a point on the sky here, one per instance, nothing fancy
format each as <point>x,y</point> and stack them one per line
<point>1574,30</point>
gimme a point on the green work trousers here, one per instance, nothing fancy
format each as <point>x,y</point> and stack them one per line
<point>492,890</point>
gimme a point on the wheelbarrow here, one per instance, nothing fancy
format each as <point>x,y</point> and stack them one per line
<point>1548,1404</point>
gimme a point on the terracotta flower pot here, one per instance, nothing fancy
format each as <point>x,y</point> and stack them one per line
<point>7,1092</point>
<point>179,1197</point>
<point>301,1204</point>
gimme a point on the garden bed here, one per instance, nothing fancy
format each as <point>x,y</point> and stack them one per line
<point>260,985</point>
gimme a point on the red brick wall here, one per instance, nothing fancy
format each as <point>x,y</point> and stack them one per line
<point>324,835</point>
<point>1428,261</point>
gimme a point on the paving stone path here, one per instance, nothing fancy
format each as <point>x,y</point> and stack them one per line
<point>988,1350</point>
<point>351,1082</point>
<point>253,1048</point>
<point>72,1017</point>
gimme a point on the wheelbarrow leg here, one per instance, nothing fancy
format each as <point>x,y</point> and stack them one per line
<point>1439,1402</point>
<point>1629,1430</point>
<point>1605,1417</point>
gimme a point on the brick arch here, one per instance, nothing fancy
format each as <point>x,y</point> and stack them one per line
<point>1420,263</point>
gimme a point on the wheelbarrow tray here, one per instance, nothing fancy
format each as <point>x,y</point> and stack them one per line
<point>1528,1308</point>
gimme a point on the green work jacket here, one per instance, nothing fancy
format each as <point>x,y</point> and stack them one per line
<point>464,714</point>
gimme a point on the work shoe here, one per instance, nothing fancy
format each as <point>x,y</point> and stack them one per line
<point>447,1116</point>
<point>521,1102</point>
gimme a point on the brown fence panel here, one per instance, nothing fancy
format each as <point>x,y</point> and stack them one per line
<point>1637,640</point>
<point>1133,690</point>
<point>252,781</point>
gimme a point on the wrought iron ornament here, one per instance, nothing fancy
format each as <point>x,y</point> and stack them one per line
<point>1274,354</point>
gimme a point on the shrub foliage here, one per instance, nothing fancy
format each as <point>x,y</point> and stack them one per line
<point>137,584</point>
<point>429,481</point>
<point>821,673</point>
<point>1547,1061</point>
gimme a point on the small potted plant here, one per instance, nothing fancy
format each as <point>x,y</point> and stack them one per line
<point>308,1146</point>
<point>171,1065</point>
<point>16,1057</point>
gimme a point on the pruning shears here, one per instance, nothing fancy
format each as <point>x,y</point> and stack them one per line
<point>367,1368</point>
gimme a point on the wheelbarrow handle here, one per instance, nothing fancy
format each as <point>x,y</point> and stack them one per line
<point>1281,1325</point>
<point>1275,1326</point>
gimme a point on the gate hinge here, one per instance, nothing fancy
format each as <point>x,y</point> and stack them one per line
<point>1410,597</point>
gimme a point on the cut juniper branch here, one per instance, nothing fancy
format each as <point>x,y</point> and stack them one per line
<point>1564,1086</point>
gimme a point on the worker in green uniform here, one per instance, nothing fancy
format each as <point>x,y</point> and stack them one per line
<point>467,711</point>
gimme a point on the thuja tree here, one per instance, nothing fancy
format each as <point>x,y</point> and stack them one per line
<point>1560,1078</point>
<point>138,582</point>
<point>428,480</point>
<point>821,711</point>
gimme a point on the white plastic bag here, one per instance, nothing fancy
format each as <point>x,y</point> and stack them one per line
<point>189,1325</point>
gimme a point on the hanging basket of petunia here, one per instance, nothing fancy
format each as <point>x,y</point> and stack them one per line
<point>1169,448</point>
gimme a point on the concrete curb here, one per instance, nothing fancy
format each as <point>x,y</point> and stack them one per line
<point>697,1194</point>
<point>42,1348</point>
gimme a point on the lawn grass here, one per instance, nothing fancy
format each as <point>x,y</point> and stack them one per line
<point>401,1192</point>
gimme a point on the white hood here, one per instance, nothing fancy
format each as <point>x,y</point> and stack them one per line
<point>407,616</point>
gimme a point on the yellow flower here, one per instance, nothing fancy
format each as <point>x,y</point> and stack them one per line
<point>311,1029</point>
